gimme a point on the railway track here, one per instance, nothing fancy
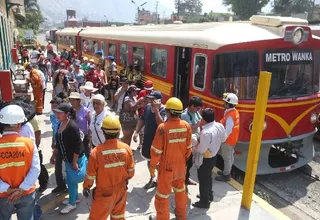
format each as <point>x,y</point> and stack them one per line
<point>295,193</point>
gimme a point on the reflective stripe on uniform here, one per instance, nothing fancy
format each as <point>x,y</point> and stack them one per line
<point>118,164</point>
<point>190,146</point>
<point>156,150</point>
<point>91,177</point>
<point>117,216</point>
<point>130,170</point>
<point>12,164</point>
<point>17,144</point>
<point>177,130</point>
<point>106,152</point>
<point>179,190</point>
<point>179,140</point>
<point>162,196</point>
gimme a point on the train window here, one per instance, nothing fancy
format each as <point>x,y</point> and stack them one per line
<point>138,57</point>
<point>199,71</point>
<point>70,41</point>
<point>90,46</point>
<point>85,45</point>
<point>317,72</point>
<point>124,54</point>
<point>95,47</point>
<point>103,48</point>
<point>159,62</point>
<point>236,72</point>
<point>112,50</point>
<point>292,73</point>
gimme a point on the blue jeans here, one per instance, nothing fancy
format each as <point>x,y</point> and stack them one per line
<point>24,207</point>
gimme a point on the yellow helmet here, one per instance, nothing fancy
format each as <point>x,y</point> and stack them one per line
<point>26,64</point>
<point>111,124</point>
<point>174,105</point>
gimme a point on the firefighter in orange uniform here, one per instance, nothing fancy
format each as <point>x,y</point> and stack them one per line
<point>112,159</point>
<point>171,148</point>
<point>19,166</point>
<point>36,84</point>
<point>231,121</point>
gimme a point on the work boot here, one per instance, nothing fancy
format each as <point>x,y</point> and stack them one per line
<point>210,197</point>
<point>152,217</point>
<point>223,178</point>
<point>201,205</point>
<point>151,184</point>
<point>191,182</point>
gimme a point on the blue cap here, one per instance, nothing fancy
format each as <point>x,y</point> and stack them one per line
<point>99,52</point>
<point>155,95</point>
<point>92,67</point>
<point>110,57</point>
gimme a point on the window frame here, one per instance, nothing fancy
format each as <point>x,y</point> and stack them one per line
<point>103,46</point>
<point>164,77</point>
<point>90,42</point>
<point>143,69</point>
<point>205,73</point>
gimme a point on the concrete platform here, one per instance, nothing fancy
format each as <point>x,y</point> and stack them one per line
<point>140,203</point>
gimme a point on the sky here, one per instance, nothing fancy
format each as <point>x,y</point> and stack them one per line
<point>208,5</point>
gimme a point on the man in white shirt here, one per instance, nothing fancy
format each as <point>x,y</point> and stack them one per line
<point>211,137</point>
<point>120,93</point>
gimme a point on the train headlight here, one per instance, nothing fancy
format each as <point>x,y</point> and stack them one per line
<point>297,36</point>
<point>313,118</point>
<point>264,126</point>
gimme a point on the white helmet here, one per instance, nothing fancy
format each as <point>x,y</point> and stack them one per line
<point>12,115</point>
<point>230,98</point>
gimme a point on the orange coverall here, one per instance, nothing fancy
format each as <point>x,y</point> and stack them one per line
<point>36,84</point>
<point>111,165</point>
<point>171,147</point>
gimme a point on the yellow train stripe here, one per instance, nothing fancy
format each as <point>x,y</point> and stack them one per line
<point>160,85</point>
<point>274,105</point>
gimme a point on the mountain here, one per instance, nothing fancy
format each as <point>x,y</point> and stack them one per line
<point>97,10</point>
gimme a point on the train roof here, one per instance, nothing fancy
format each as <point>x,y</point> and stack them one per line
<point>69,31</point>
<point>211,35</point>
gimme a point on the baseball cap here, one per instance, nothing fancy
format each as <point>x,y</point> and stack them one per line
<point>99,52</point>
<point>91,66</point>
<point>99,97</point>
<point>110,58</point>
<point>133,88</point>
<point>148,85</point>
<point>77,64</point>
<point>155,95</point>
<point>64,107</point>
<point>85,58</point>
<point>74,95</point>
<point>91,60</point>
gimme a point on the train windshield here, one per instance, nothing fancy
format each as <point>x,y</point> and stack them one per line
<point>291,73</point>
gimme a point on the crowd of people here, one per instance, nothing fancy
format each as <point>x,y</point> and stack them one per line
<point>86,138</point>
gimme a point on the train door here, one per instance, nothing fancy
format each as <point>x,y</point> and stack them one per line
<point>182,73</point>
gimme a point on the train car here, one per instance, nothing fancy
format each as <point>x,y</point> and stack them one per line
<point>315,29</point>
<point>210,59</point>
<point>68,37</point>
<point>52,35</point>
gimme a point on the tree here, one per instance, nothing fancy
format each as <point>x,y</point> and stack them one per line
<point>286,7</point>
<point>245,8</point>
<point>188,7</point>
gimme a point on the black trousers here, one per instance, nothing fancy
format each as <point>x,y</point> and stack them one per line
<point>189,165</point>
<point>58,172</point>
<point>85,142</point>
<point>205,179</point>
<point>43,96</point>
<point>44,175</point>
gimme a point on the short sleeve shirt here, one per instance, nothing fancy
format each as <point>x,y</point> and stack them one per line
<point>95,128</point>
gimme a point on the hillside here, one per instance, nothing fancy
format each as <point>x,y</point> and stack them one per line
<point>119,10</point>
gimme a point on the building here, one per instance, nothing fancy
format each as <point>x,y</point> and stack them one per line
<point>8,33</point>
<point>144,17</point>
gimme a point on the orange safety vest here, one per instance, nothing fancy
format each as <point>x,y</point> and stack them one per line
<point>234,136</point>
<point>16,154</point>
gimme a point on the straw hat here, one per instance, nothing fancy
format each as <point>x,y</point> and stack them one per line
<point>89,86</point>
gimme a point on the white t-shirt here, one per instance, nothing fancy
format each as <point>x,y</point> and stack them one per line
<point>86,102</point>
<point>95,128</point>
<point>120,100</point>
<point>43,79</point>
<point>27,131</point>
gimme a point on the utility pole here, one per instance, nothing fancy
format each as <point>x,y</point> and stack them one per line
<point>157,17</point>
<point>178,10</point>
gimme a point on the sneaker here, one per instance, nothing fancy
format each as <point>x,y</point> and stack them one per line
<point>68,209</point>
<point>66,202</point>
<point>58,190</point>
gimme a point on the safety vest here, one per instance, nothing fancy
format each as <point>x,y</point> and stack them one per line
<point>16,154</point>
<point>234,136</point>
